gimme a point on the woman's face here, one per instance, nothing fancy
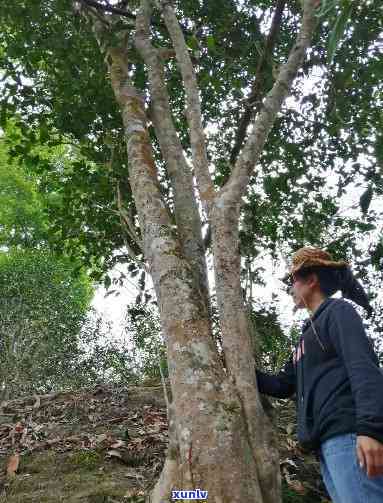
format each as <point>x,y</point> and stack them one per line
<point>300,290</point>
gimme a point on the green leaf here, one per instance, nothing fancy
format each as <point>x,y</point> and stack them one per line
<point>365,227</point>
<point>338,31</point>
<point>325,8</point>
<point>211,43</point>
<point>107,282</point>
<point>192,42</point>
<point>365,200</point>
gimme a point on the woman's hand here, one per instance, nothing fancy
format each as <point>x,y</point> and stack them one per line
<point>370,455</point>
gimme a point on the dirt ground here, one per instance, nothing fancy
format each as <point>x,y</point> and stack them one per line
<point>107,445</point>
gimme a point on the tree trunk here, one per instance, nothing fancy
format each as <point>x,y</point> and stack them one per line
<point>210,447</point>
<point>220,439</point>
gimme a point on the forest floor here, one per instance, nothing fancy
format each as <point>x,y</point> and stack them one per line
<point>107,445</point>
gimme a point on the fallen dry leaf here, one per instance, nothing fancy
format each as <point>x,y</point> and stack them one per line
<point>132,473</point>
<point>13,465</point>
<point>297,486</point>
<point>131,493</point>
<point>119,443</point>
<point>19,428</point>
<point>290,442</point>
<point>37,403</point>
<point>288,461</point>
<point>114,454</point>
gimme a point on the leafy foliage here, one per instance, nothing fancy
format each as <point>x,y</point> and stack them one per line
<point>67,129</point>
<point>42,307</point>
<point>274,345</point>
<point>148,346</point>
<point>61,97</point>
<point>23,222</point>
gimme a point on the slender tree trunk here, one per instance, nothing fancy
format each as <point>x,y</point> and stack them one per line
<point>238,349</point>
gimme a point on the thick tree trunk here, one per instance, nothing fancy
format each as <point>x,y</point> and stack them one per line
<point>210,447</point>
<point>220,439</point>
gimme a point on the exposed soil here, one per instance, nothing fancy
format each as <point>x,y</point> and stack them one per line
<point>107,445</point>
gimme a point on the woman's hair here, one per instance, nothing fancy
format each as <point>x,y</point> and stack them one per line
<point>332,279</point>
<point>329,281</point>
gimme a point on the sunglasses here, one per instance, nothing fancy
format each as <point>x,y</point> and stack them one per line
<point>290,282</point>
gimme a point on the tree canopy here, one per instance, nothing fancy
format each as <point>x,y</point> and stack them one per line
<point>42,310</point>
<point>54,80</point>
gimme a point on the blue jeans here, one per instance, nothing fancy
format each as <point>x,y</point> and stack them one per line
<point>345,480</point>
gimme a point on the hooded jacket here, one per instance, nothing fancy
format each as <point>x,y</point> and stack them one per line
<point>335,377</point>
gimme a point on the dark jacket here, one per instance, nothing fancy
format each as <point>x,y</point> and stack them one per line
<point>336,378</point>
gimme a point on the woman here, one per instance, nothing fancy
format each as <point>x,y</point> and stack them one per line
<point>335,376</point>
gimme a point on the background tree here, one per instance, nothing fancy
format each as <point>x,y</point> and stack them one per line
<point>22,222</point>
<point>143,323</point>
<point>42,307</point>
<point>51,339</point>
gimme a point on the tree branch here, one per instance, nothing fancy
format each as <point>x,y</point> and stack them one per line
<point>193,105</point>
<point>126,221</point>
<point>254,98</point>
<point>185,205</point>
<point>101,8</point>
<point>236,186</point>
